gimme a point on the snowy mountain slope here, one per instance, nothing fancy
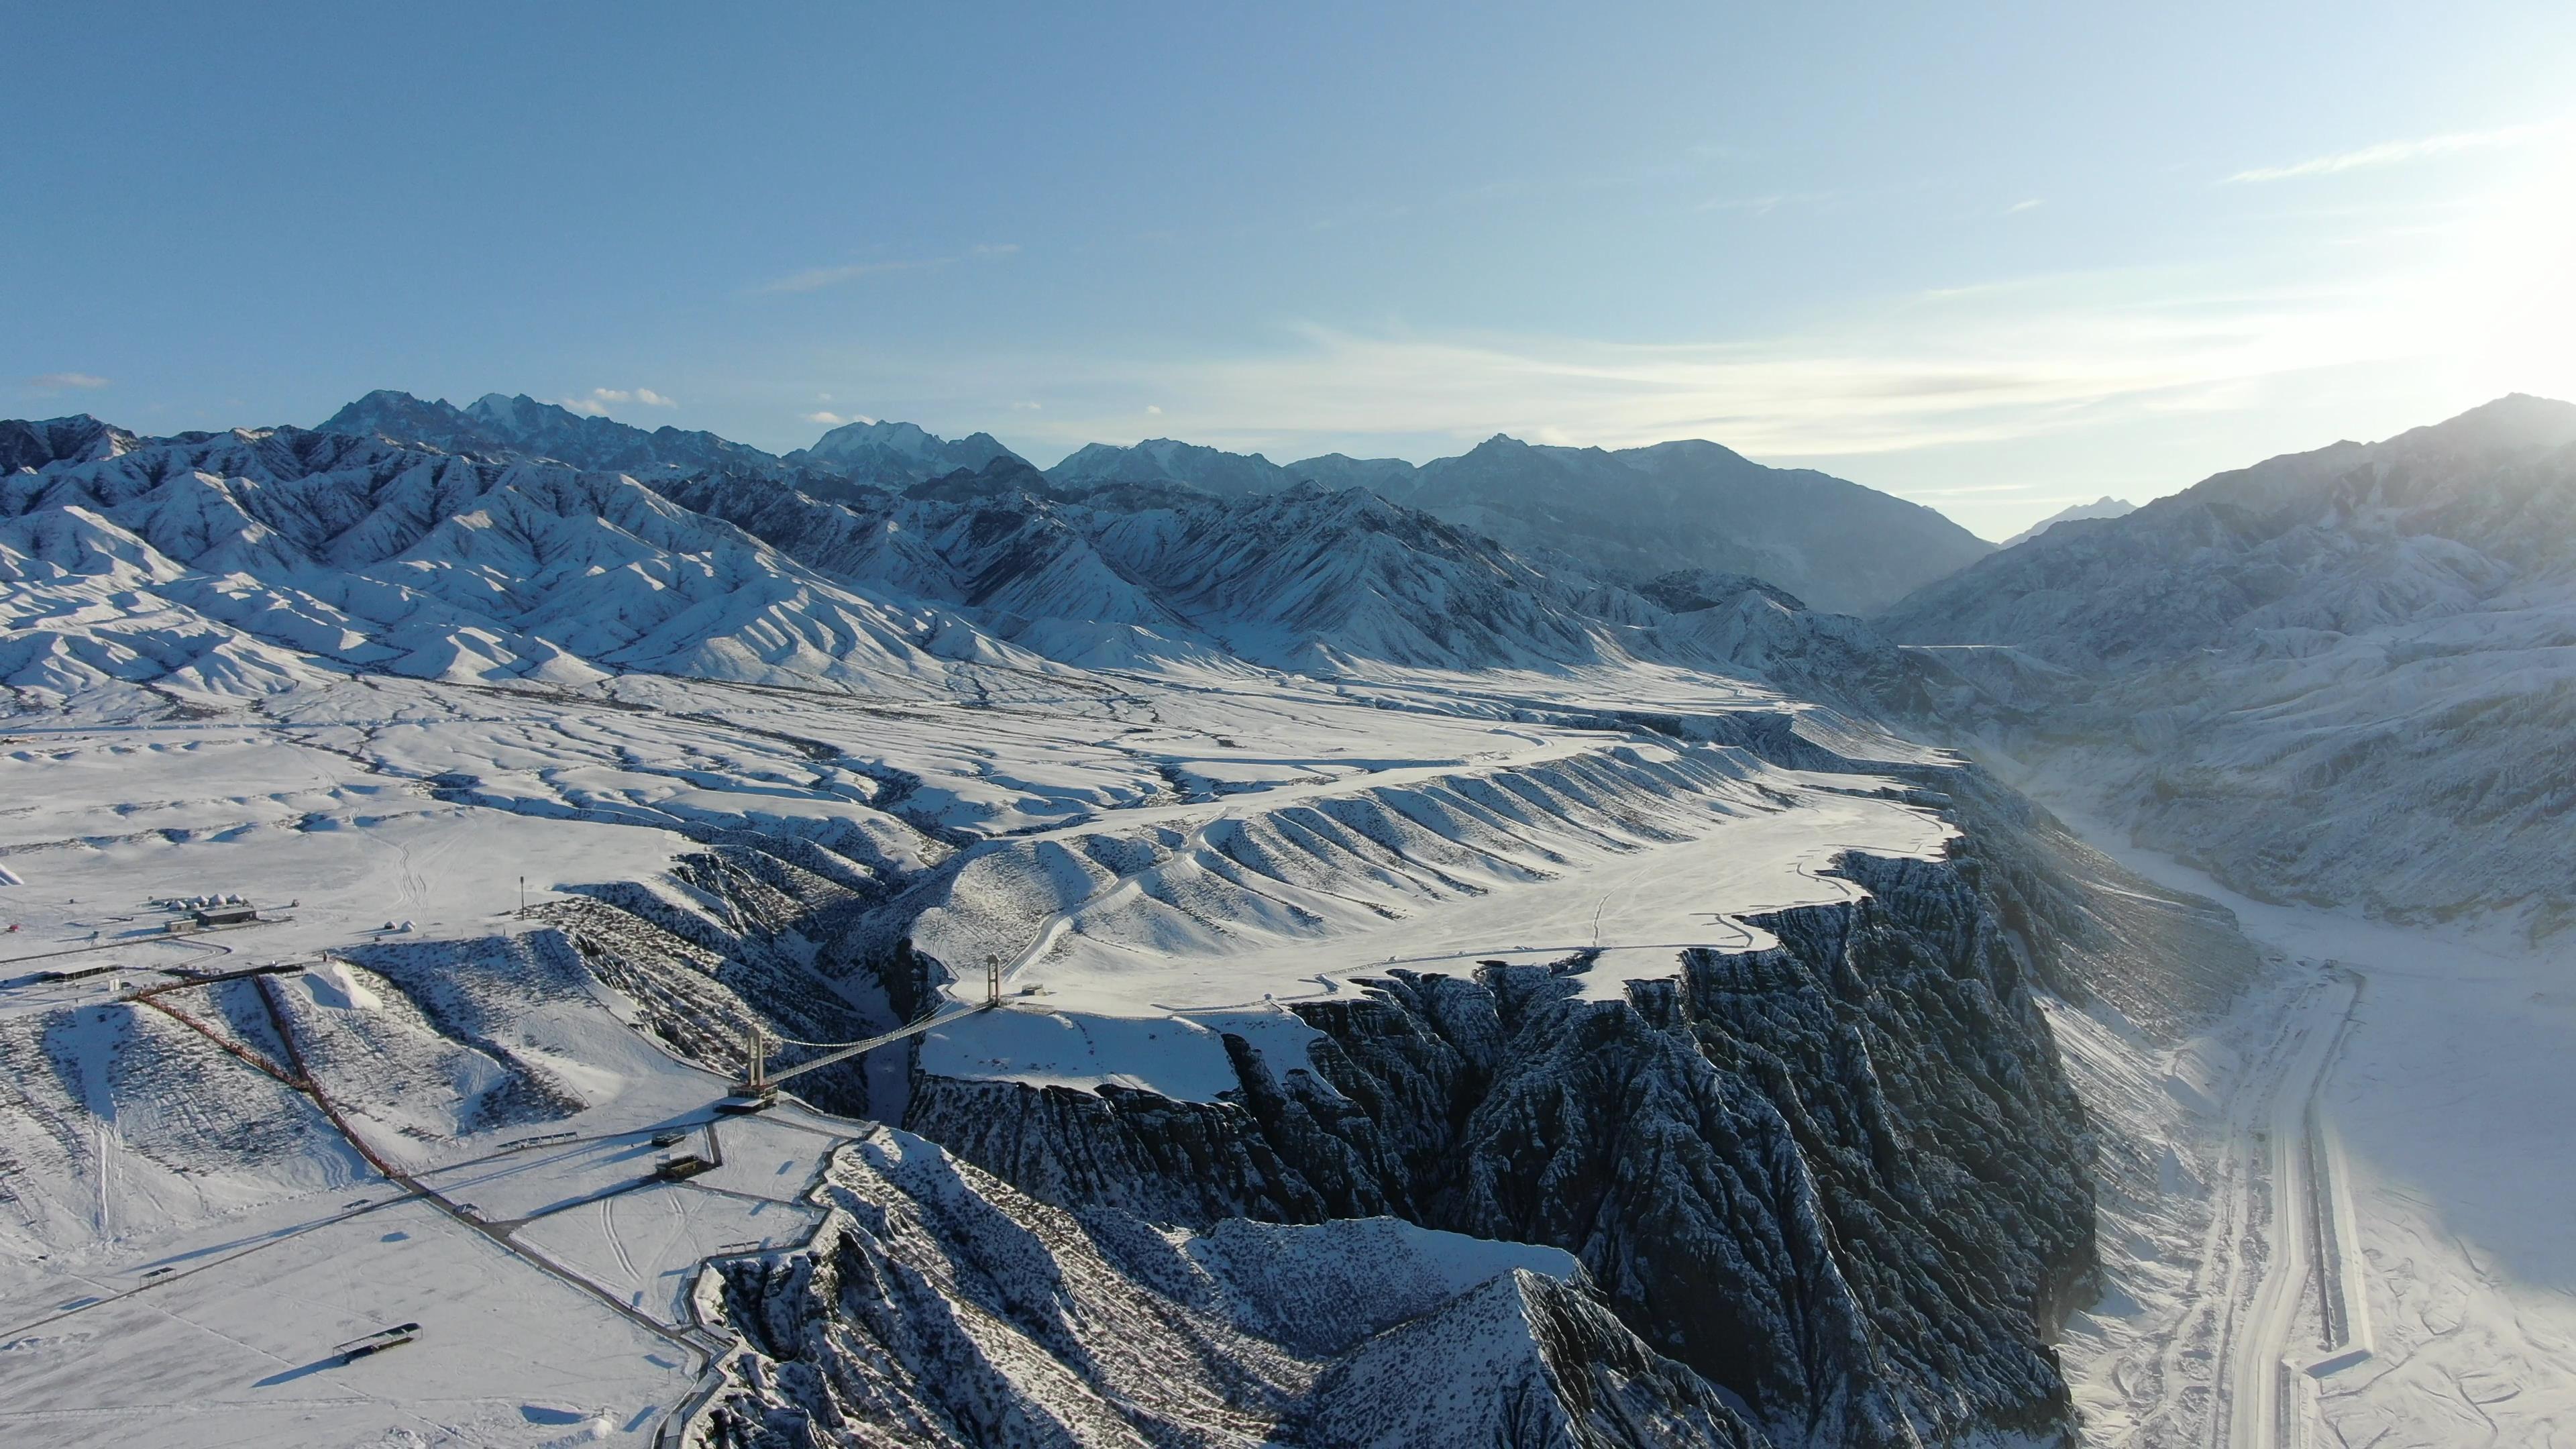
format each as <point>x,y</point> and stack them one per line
<point>2303,675</point>
<point>1633,513</point>
<point>371,556</point>
<point>1695,505</point>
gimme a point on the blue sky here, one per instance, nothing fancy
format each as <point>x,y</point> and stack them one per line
<point>1993,258</point>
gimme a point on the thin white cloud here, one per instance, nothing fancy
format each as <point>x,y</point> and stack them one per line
<point>601,399</point>
<point>66,381</point>
<point>1978,365</point>
<point>2391,153</point>
<point>827,419</point>
<point>2031,203</point>
<point>815,279</point>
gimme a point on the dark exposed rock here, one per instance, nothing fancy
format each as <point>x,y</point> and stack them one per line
<point>937,1306</point>
<point>1842,1177</point>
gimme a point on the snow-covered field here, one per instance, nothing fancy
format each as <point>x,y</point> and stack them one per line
<point>2440,1112</point>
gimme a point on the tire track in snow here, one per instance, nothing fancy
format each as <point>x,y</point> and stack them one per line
<point>616,1242</point>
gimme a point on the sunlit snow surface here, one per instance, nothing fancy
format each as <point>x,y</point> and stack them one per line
<point>1104,824</point>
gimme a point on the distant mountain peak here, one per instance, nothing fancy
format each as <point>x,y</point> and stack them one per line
<point>2105,506</point>
<point>898,454</point>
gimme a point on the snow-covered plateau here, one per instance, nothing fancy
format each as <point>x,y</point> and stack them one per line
<point>1341,982</point>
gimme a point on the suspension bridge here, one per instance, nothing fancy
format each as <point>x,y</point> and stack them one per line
<point>759,1086</point>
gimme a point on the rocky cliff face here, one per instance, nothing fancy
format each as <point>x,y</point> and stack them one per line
<point>1842,1178</point>
<point>937,1306</point>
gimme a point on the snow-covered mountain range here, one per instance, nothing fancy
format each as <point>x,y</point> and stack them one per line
<point>1450,986</point>
<point>2343,676</point>
<point>1627,515</point>
<point>238,562</point>
<point>1632,513</point>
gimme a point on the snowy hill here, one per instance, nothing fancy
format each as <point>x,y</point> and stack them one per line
<point>2105,506</point>
<point>204,556</point>
<point>2308,675</point>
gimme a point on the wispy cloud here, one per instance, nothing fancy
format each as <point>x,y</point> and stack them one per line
<point>2391,153</point>
<point>1979,365</point>
<point>2032,203</point>
<point>65,381</point>
<point>815,279</point>
<point>833,420</point>
<point>601,399</point>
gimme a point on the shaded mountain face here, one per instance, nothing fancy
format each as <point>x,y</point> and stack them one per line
<point>80,438</point>
<point>1169,462</point>
<point>521,427</point>
<point>892,454</point>
<point>1631,514</point>
<point>1695,505</point>
<point>2309,674</point>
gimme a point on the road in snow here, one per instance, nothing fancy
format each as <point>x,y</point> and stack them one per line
<point>2446,1098</point>
<point>2262,1351</point>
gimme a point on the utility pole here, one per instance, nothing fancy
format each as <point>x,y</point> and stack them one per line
<point>523,898</point>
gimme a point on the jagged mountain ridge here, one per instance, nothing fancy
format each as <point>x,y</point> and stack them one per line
<point>893,454</point>
<point>266,556</point>
<point>2303,674</point>
<point>495,426</point>
<point>1631,514</point>
<point>225,560</point>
